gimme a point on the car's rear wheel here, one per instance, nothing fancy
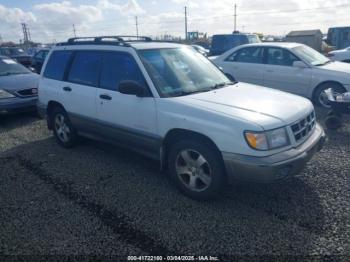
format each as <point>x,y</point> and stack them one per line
<point>320,96</point>
<point>196,169</point>
<point>63,129</point>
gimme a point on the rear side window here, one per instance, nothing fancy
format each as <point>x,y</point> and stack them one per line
<point>117,67</point>
<point>56,66</point>
<point>252,55</point>
<point>85,68</point>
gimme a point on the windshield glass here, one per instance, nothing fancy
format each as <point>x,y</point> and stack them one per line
<point>252,39</point>
<point>181,71</point>
<point>310,55</point>
<point>10,67</point>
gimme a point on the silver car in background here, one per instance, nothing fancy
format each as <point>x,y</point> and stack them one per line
<point>18,87</point>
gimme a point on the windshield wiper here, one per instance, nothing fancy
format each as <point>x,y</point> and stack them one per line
<point>221,85</point>
<point>325,63</point>
<point>203,90</point>
<point>185,93</point>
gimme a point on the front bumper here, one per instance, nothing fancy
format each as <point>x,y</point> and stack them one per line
<point>276,167</point>
<point>17,105</point>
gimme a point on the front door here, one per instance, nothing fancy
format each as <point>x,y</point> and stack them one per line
<point>279,72</point>
<point>125,118</point>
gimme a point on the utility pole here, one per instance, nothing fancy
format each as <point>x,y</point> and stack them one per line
<point>137,26</point>
<point>74,31</point>
<point>235,16</point>
<point>186,33</point>
<point>26,35</point>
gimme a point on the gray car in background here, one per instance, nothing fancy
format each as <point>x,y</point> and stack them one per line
<point>18,87</point>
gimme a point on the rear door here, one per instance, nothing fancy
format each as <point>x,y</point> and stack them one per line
<point>279,72</point>
<point>53,79</point>
<point>245,65</point>
<point>126,118</point>
<point>79,90</point>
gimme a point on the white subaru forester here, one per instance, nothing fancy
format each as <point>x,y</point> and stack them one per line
<point>172,104</point>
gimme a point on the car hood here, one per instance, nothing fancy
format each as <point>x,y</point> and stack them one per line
<point>336,67</point>
<point>19,82</point>
<point>268,108</point>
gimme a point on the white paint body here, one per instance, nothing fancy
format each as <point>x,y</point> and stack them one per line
<point>342,55</point>
<point>222,115</point>
<point>296,80</point>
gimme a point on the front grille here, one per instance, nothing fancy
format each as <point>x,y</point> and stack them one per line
<point>303,127</point>
<point>28,92</point>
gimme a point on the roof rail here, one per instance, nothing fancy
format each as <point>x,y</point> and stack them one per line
<point>121,40</point>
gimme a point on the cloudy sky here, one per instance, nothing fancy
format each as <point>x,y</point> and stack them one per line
<point>52,20</point>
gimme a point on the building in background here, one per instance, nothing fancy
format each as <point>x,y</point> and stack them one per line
<point>312,38</point>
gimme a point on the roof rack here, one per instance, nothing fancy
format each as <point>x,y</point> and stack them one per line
<point>121,40</point>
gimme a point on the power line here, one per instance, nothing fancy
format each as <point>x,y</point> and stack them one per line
<point>186,32</point>
<point>137,26</point>
<point>235,16</point>
<point>74,31</point>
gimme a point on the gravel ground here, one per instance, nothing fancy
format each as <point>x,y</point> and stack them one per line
<point>101,200</point>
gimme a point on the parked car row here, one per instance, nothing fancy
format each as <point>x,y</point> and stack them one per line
<point>17,54</point>
<point>18,87</point>
<point>207,122</point>
<point>34,62</point>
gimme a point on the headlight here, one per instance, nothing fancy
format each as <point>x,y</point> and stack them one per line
<point>5,94</point>
<point>267,140</point>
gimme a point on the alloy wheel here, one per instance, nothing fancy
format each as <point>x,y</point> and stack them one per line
<point>193,170</point>
<point>62,129</point>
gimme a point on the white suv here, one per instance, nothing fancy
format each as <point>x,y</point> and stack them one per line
<point>170,103</point>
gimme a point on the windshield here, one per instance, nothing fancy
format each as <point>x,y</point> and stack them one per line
<point>181,71</point>
<point>252,39</point>
<point>310,55</point>
<point>10,67</point>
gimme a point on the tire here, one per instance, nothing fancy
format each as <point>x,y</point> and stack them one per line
<point>320,97</point>
<point>196,169</point>
<point>333,122</point>
<point>63,129</point>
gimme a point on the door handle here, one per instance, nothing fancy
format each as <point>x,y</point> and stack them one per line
<point>105,97</point>
<point>67,89</point>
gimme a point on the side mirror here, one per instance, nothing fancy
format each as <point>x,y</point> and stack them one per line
<point>129,87</point>
<point>299,64</point>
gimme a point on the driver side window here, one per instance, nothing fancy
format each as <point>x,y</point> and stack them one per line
<point>280,57</point>
<point>118,67</point>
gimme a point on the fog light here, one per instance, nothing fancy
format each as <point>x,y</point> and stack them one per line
<point>283,172</point>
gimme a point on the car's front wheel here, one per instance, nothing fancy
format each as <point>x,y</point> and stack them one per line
<point>63,129</point>
<point>320,96</point>
<point>196,169</point>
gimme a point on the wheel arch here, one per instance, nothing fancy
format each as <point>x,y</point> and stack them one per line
<point>324,83</point>
<point>177,134</point>
<point>50,107</point>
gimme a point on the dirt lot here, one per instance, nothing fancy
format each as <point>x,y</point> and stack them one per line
<point>101,200</point>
